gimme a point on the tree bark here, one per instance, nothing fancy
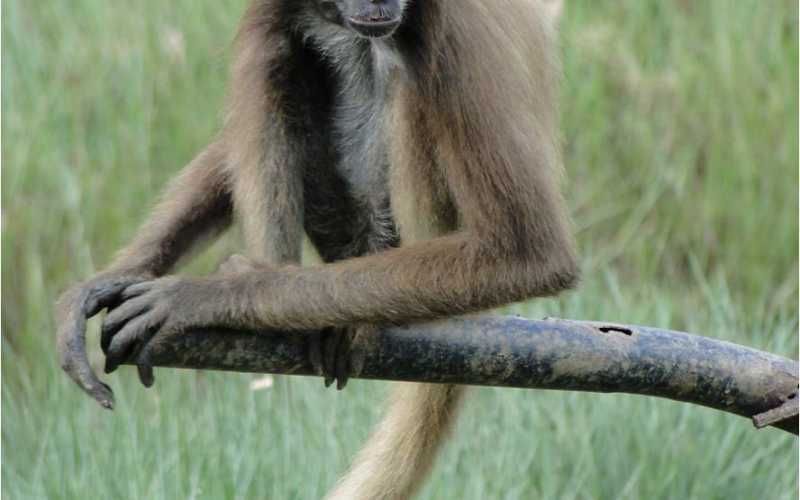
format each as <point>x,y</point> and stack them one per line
<point>534,354</point>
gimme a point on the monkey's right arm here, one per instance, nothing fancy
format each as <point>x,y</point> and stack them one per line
<point>196,206</point>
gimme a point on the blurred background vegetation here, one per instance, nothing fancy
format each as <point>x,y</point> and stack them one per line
<point>680,127</point>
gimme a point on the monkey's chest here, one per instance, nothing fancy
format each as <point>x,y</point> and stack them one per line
<point>348,209</point>
<point>359,139</point>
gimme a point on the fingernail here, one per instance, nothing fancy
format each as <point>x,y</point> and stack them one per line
<point>148,380</point>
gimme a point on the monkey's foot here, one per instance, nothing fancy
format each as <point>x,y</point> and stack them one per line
<point>337,353</point>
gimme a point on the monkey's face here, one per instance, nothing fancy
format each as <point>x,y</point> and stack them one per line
<point>367,18</point>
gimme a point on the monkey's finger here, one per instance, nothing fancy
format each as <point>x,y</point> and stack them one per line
<point>71,341</point>
<point>107,294</point>
<point>330,347</point>
<point>140,329</point>
<point>146,374</point>
<point>75,363</point>
<point>144,364</point>
<point>343,359</point>
<point>138,289</point>
<point>117,318</point>
<point>100,299</point>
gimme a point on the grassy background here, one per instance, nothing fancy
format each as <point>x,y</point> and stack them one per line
<point>680,130</point>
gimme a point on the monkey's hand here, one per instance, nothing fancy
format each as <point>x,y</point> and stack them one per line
<point>73,309</point>
<point>152,312</point>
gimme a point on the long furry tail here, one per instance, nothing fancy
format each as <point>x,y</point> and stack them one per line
<point>402,449</point>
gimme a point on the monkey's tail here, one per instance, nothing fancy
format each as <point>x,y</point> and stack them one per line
<point>400,452</point>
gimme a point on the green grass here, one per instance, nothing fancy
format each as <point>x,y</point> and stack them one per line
<point>680,127</point>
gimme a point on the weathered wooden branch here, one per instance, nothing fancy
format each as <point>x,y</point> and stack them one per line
<point>544,354</point>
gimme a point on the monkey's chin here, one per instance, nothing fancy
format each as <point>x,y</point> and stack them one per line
<point>373,29</point>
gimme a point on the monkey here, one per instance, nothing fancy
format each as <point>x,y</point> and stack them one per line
<point>414,143</point>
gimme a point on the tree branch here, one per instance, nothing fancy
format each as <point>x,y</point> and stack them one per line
<point>544,354</point>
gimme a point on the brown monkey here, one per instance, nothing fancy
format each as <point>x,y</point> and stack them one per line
<point>413,142</point>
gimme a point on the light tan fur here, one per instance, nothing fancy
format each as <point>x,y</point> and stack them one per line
<point>401,450</point>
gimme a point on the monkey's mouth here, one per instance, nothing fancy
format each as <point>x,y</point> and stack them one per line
<point>374,26</point>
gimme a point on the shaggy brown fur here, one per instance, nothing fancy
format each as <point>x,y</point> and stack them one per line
<point>441,137</point>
